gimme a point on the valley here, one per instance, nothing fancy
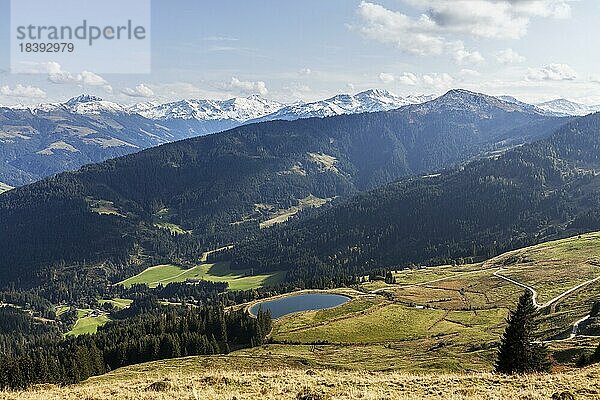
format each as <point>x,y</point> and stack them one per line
<point>445,319</point>
<point>300,200</point>
<point>434,242</point>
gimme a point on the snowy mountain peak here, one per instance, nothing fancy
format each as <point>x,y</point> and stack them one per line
<point>564,107</point>
<point>373,100</point>
<point>81,99</point>
<point>238,109</point>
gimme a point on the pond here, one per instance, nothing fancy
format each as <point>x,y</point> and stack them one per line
<point>299,302</point>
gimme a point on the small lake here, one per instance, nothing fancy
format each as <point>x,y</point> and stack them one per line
<point>300,302</point>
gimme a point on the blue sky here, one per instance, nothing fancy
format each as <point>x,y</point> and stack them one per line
<point>305,50</point>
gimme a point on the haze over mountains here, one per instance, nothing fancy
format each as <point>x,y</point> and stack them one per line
<point>50,138</point>
<point>222,187</point>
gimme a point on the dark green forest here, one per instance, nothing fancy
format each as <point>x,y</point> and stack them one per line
<point>37,354</point>
<point>530,194</point>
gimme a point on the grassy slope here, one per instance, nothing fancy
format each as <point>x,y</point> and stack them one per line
<point>463,318</point>
<point>218,272</point>
<point>446,318</point>
<point>85,325</point>
<point>243,377</point>
<point>118,304</point>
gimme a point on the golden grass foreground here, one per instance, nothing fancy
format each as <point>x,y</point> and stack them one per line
<point>222,377</point>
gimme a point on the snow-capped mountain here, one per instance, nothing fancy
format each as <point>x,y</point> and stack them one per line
<point>87,104</point>
<point>236,109</point>
<point>82,104</point>
<point>49,138</point>
<point>368,101</point>
<point>564,107</point>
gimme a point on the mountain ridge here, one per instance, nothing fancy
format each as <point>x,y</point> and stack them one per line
<point>222,186</point>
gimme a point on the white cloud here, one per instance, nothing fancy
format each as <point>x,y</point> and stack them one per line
<point>92,79</point>
<point>85,78</point>
<point>31,67</point>
<point>386,26</point>
<point>248,87</point>
<point>419,36</point>
<point>462,56</point>
<point>595,78</point>
<point>442,24</point>
<point>305,71</point>
<point>408,78</point>
<point>489,18</point>
<point>58,76</point>
<point>552,72</point>
<point>140,90</point>
<point>386,78</point>
<point>21,91</point>
<point>509,56</point>
<point>438,81</point>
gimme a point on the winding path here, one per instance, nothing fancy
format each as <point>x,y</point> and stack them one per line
<point>550,303</point>
<point>498,273</point>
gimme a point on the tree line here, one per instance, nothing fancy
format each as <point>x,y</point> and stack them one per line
<point>164,332</point>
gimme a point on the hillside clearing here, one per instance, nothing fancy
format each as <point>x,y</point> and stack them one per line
<point>217,272</point>
<point>88,324</point>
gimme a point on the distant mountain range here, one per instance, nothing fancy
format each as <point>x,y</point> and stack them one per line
<point>220,189</point>
<point>43,140</point>
<point>567,107</point>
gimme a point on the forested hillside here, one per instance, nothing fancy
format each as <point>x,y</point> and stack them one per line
<point>529,194</point>
<point>216,189</point>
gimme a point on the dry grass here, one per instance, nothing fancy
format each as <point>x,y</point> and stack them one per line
<point>259,378</point>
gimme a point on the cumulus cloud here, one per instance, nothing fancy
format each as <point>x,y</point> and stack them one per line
<point>416,36</point>
<point>438,81</point>
<point>439,27</point>
<point>412,35</point>
<point>489,18</point>
<point>25,92</point>
<point>60,77</point>
<point>32,67</point>
<point>552,72</point>
<point>140,90</point>
<point>85,78</point>
<point>462,56</point>
<point>386,78</point>
<point>509,56</point>
<point>408,78</point>
<point>305,71</point>
<point>248,87</point>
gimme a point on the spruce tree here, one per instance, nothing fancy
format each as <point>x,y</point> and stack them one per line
<point>519,351</point>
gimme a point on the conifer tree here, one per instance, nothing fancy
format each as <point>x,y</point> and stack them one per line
<point>520,352</point>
